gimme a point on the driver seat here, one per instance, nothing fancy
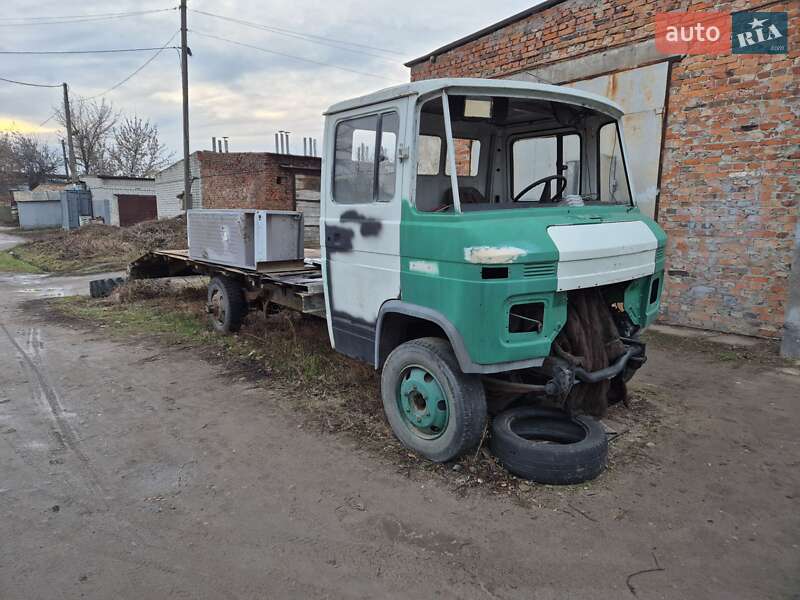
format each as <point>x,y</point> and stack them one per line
<point>466,194</point>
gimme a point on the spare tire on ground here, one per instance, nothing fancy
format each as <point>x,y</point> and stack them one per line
<point>549,446</point>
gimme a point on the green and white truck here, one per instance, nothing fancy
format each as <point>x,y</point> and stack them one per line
<point>477,237</point>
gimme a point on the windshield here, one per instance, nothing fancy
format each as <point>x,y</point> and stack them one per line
<point>516,152</point>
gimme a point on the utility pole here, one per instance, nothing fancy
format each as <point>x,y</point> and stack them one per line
<point>68,120</point>
<point>64,152</point>
<point>187,176</point>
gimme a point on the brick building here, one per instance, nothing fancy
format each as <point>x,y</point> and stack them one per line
<point>262,180</point>
<point>715,142</point>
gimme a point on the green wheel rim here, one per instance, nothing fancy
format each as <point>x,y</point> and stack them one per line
<point>422,403</point>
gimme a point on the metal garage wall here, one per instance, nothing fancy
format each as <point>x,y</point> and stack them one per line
<point>39,214</point>
<point>641,92</point>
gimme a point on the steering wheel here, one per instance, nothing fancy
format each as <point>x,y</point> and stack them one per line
<point>546,190</point>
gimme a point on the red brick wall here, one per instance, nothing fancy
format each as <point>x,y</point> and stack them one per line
<point>731,162</point>
<point>250,179</point>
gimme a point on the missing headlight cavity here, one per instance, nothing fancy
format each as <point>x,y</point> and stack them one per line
<point>526,318</point>
<point>494,273</point>
<point>654,290</point>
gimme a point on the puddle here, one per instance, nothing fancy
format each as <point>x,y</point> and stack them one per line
<point>36,285</point>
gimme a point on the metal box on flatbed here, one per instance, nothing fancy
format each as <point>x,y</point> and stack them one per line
<point>245,238</point>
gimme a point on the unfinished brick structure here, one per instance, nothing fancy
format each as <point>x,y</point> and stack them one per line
<point>252,179</point>
<point>729,168</point>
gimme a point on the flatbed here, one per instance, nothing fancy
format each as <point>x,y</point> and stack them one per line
<point>292,284</point>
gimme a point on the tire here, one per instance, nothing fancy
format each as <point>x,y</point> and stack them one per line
<point>226,305</point>
<point>100,288</point>
<point>455,426</point>
<point>578,450</point>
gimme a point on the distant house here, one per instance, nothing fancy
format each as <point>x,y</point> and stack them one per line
<point>120,200</point>
<point>260,180</point>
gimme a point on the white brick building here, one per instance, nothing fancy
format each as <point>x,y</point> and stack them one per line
<point>169,183</point>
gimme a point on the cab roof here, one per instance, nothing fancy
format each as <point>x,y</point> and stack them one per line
<point>490,87</point>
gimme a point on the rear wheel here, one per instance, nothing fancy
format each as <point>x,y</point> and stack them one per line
<point>432,407</point>
<point>226,304</point>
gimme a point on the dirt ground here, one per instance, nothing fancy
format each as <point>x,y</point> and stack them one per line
<point>133,469</point>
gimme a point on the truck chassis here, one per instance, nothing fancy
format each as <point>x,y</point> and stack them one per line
<point>296,285</point>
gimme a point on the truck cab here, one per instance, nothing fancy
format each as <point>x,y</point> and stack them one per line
<point>483,235</point>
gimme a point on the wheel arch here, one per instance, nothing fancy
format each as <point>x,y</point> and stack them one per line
<point>400,321</point>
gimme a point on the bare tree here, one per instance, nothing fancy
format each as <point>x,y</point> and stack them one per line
<point>28,156</point>
<point>136,150</point>
<point>92,125</point>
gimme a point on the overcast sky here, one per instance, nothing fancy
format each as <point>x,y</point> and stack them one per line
<point>235,91</point>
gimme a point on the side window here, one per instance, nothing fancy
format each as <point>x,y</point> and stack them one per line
<point>365,163</point>
<point>387,157</point>
<point>468,155</point>
<point>353,171</point>
<point>613,178</point>
<point>429,152</point>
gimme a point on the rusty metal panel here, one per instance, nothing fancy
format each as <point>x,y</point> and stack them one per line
<point>641,92</point>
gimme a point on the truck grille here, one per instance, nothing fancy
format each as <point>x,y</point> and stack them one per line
<point>539,270</point>
<point>660,253</point>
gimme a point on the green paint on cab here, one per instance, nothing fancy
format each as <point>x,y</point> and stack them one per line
<point>514,239</point>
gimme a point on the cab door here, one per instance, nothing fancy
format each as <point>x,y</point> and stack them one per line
<point>360,241</point>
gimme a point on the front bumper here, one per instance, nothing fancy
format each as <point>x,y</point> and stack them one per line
<point>559,376</point>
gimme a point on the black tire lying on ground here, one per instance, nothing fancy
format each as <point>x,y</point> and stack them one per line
<point>548,446</point>
<point>100,288</point>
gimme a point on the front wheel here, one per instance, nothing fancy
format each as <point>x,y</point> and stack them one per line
<point>432,407</point>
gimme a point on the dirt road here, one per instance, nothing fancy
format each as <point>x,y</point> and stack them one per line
<point>131,471</point>
<point>8,239</point>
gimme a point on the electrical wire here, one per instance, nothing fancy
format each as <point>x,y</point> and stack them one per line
<point>292,56</point>
<point>136,71</point>
<point>47,120</point>
<point>40,85</point>
<point>314,39</point>
<point>56,20</point>
<point>119,83</point>
<point>110,51</point>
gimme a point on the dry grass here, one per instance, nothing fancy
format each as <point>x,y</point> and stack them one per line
<point>290,355</point>
<point>94,248</point>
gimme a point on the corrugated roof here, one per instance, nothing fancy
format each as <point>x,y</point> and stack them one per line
<point>486,30</point>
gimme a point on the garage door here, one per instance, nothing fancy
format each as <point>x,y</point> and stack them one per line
<point>306,197</point>
<point>641,93</point>
<point>134,209</point>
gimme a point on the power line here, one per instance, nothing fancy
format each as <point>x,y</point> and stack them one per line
<point>119,83</point>
<point>81,19</point>
<point>40,85</point>
<point>68,18</point>
<point>135,72</point>
<point>292,56</point>
<point>110,51</point>
<point>315,39</point>
<point>47,120</point>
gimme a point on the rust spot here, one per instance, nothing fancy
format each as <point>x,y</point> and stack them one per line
<point>611,87</point>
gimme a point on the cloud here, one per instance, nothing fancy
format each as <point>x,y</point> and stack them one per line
<point>235,91</point>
